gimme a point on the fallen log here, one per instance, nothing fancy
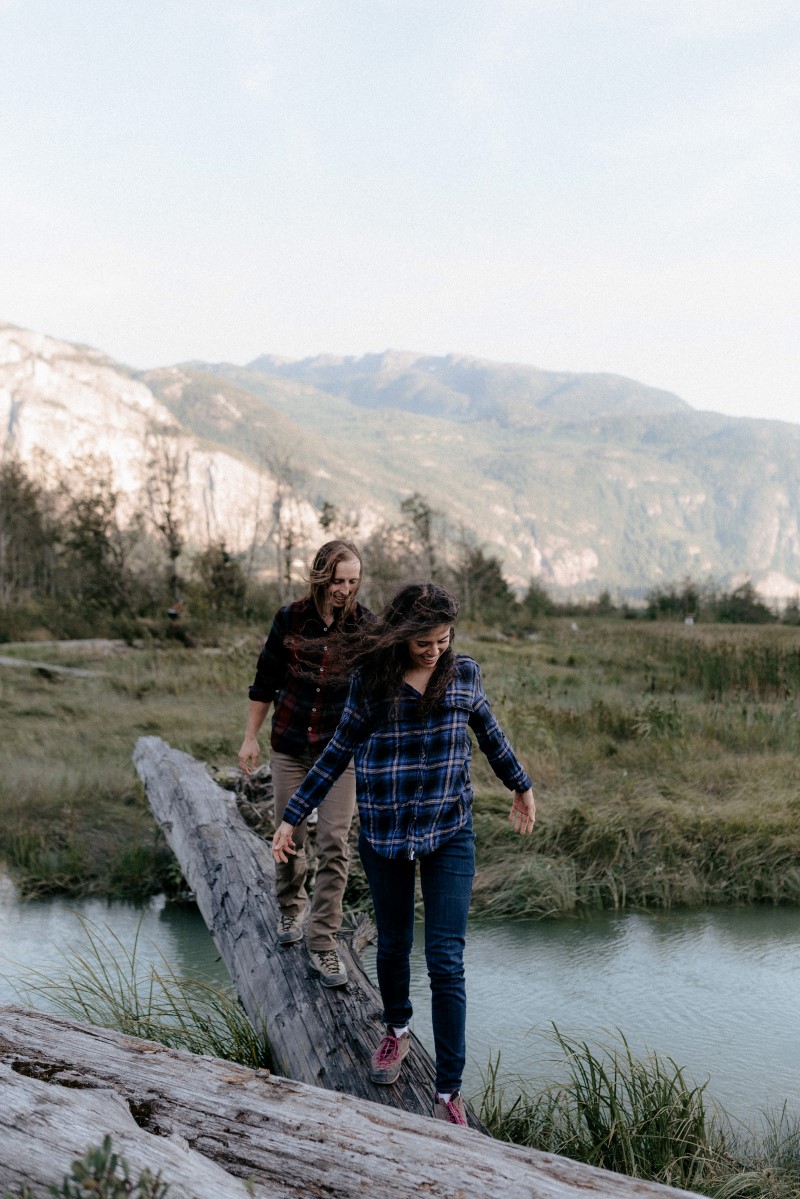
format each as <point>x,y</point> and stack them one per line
<point>318,1035</point>
<point>219,1131</point>
<point>51,668</point>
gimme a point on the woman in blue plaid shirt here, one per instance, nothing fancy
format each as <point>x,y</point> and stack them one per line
<point>406,724</point>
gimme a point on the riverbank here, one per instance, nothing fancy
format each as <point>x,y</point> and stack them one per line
<point>664,760</point>
<point>97,961</point>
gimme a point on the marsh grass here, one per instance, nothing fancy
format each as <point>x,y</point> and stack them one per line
<point>662,779</point>
<point>75,820</point>
<point>642,1116</point>
<point>106,983</point>
<point>664,763</point>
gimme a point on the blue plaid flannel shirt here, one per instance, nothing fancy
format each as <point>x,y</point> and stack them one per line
<point>412,767</point>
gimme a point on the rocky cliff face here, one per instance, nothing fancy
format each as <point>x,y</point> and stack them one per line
<point>583,481</point>
<point>63,406</point>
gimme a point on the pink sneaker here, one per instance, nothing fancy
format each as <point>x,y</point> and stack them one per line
<point>451,1110</point>
<point>388,1058</point>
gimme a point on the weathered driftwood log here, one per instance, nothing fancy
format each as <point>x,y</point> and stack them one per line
<point>323,1036</point>
<point>218,1131</point>
<point>50,668</point>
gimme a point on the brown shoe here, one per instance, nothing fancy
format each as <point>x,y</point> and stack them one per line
<point>452,1110</point>
<point>290,927</point>
<point>329,966</point>
<point>388,1058</point>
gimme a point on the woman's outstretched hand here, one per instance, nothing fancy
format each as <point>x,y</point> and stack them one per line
<point>523,811</point>
<point>282,843</point>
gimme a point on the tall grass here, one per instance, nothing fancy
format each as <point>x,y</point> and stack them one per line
<point>75,820</point>
<point>660,783</point>
<point>664,764</point>
<point>643,1117</point>
<point>104,982</point>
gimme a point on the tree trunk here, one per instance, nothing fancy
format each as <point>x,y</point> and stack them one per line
<point>219,1131</point>
<point>318,1035</point>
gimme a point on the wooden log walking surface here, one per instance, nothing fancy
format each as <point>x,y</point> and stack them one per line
<point>319,1035</point>
<point>220,1131</point>
<point>317,1126</point>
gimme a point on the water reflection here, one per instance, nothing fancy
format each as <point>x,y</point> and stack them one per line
<point>38,938</point>
<point>715,990</point>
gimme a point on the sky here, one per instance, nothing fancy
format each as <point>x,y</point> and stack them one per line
<point>581,185</point>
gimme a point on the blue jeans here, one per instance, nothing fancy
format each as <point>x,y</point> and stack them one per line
<point>446,876</point>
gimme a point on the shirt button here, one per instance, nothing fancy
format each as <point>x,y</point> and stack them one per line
<point>317,688</point>
<point>309,728</point>
<point>313,709</point>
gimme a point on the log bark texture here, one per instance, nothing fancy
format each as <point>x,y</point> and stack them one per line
<point>219,1131</point>
<point>318,1035</point>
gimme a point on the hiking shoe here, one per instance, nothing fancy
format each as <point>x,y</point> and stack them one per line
<point>329,966</point>
<point>290,927</point>
<point>451,1110</point>
<point>387,1059</point>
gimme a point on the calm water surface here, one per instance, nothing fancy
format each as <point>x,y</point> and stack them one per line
<point>718,991</point>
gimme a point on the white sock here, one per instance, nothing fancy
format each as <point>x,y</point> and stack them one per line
<point>445,1096</point>
<point>401,1032</point>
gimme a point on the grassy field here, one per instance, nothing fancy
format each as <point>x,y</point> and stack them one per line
<point>664,760</point>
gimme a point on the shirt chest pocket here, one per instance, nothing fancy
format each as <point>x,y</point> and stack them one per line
<point>448,744</point>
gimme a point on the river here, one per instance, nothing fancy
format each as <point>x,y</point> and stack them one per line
<point>716,990</point>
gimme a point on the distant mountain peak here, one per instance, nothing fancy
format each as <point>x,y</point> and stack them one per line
<point>584,481</point>
<point>461,387</point>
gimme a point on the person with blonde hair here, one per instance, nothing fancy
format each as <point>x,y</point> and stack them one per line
<point>307,703</point>
<point>411,705</point>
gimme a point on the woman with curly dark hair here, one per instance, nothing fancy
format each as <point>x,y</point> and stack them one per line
<point>406,723</point>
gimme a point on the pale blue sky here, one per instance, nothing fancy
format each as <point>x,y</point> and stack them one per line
<point>589,185</point>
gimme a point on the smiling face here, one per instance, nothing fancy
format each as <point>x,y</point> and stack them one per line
<point>426,649</point>
<point>344,584</point>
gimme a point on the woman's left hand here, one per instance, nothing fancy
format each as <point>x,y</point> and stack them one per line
<point>523,811</point>
<point>282,843</point>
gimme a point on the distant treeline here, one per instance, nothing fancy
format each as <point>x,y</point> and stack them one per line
<point>71,566</point>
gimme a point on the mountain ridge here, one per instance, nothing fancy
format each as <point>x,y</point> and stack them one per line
<point>584,482</point>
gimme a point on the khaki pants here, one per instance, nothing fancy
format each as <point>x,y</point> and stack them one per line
<point>335,818</point>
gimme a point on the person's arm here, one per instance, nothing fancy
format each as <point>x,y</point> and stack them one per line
<point>270,675</point>
<point>250,751</point>
<point>502,759</point>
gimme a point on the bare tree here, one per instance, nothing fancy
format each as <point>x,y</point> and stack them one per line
<point>420,519</point>
<point>286,534</point>
<point>166,488</point>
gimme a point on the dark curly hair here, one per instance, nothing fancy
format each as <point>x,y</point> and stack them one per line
<point>380,650</point>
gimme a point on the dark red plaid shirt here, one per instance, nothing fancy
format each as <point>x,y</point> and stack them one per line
<point>307,707</point>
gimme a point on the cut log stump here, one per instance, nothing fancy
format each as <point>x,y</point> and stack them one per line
<point>219,1131</point>
<point>318,1035</point>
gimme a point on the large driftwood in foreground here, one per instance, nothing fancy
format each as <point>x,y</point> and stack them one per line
<point>209,1126</point>
<point>317,1035</point>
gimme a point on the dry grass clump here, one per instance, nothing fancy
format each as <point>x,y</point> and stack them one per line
<point>104,982</point>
